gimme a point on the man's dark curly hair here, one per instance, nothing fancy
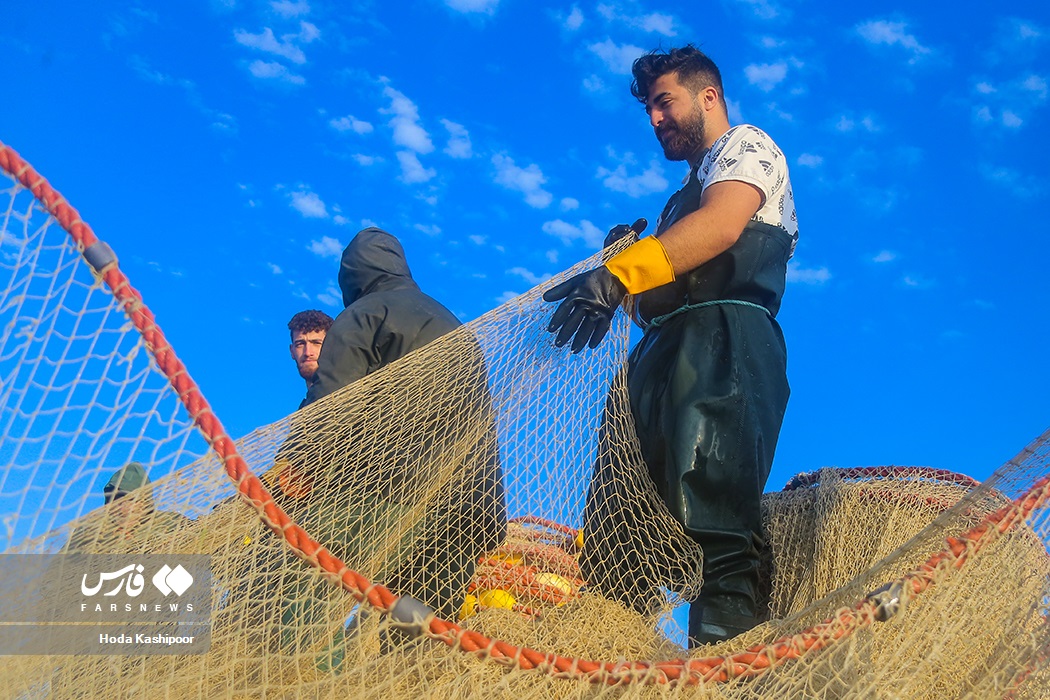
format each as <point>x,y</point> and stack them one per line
<point>309,321</point>
<point>694,69</point>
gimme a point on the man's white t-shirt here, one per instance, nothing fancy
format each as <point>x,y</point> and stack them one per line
<point>746,153</point>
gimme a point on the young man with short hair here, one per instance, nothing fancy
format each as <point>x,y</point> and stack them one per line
<point>708,381</point>
<point>308,329</point>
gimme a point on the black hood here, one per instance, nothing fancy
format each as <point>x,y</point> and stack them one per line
<point>373,261</point>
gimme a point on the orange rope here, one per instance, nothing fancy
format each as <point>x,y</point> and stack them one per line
<point>747,664</point>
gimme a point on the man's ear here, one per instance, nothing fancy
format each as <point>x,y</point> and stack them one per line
<point>291,350</point>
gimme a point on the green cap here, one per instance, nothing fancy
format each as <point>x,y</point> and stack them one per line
<point>126,479</point>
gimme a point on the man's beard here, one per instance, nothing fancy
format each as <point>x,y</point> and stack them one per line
<point>307,370</point>
<point>685,139</point>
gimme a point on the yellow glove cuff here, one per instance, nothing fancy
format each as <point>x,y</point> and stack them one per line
<point>642,266</point>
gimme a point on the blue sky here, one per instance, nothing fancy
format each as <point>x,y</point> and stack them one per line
<point>228,150</point>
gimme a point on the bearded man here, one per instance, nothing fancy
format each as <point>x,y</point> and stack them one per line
<point>708,381</point>
<point>308,329</point>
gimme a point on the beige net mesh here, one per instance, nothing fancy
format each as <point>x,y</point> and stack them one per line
<point>458,476</point>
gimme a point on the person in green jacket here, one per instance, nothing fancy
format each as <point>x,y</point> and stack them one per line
<point>131,519</point>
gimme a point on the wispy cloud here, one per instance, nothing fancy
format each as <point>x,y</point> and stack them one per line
<point>569,203</point>
<point>220,121</point>
<point>309,204</point>
<point>364,159</point>
<point>766,76</point>
<point>286,47</point>
<point>761,9</point>
<point>572,21</point>
<point>1020,185</point>
<point>530,277</point>
<point>809,160</point>
<point>285,8</point>
<point>1008,104</point>
<point>327,247</point>
<point>847,123</point>
<point>616,57</point>
<point>653,22</point>
<point>408,132</point>
<point>649,181</point>
<point>486,7</point>
<point>271,70</point>
<point>428,229</point>
<point>331,297</point>
<point>884,256</point>
<point>459,145</point>
<point>274,268</point>
<point>807,275</point>
<point>879,32</point>
<point>412,171</point>
<point>585,232</point>
<point>350,123</point>
<point>528,180</point>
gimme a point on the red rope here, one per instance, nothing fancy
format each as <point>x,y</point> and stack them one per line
<point>749,663</point>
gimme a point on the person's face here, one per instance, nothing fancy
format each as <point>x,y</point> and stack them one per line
<point>125,513</point>
<point>677,118</point>
<point>305,349</point>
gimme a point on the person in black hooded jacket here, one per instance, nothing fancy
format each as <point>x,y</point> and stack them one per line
<point>386,317</point>
<point>348,490</point>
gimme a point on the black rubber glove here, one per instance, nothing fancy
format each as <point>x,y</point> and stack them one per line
<point>591,299</point>
<point>621,230</point>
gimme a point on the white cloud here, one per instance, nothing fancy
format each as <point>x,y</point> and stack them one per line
<point>459,145</point>
<point>285,8</point>
<point>575,19</point>
<point>477,240</point>
<point>616,57</point>
<point>285,47</point>
<point>309,204</point>
<point>530,277</point>
<point>412,170</point>
<point>351,123</point>
<point>801,275</point>
<point>592,83</point>
<point>1036,85</point>
<point>884,256</point>
<point>275,269</point>
<point>569,203</point>
<point>762,9</point>
<point>1011,120</point>
<point>363,159</point>
<point>809,160</point>
<point>766,76</point>
<point>567,233</point>
<point>487,7</point>
<point>892,34</point>
<point>505,297</point>
<point>552,256</point>
<point>408,133</point>
<point>647,182</point>
<point>429,229</point>
<point>331,297</point>
<point>655,22</point>
<point>847,123</point>
<point>1022,186</point>
<point>1009,104</point>
<point>529,181</point>
<point>327,247</point>
<point>276,71</point>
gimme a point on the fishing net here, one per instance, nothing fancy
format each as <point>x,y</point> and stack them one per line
<point>417,534</point>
